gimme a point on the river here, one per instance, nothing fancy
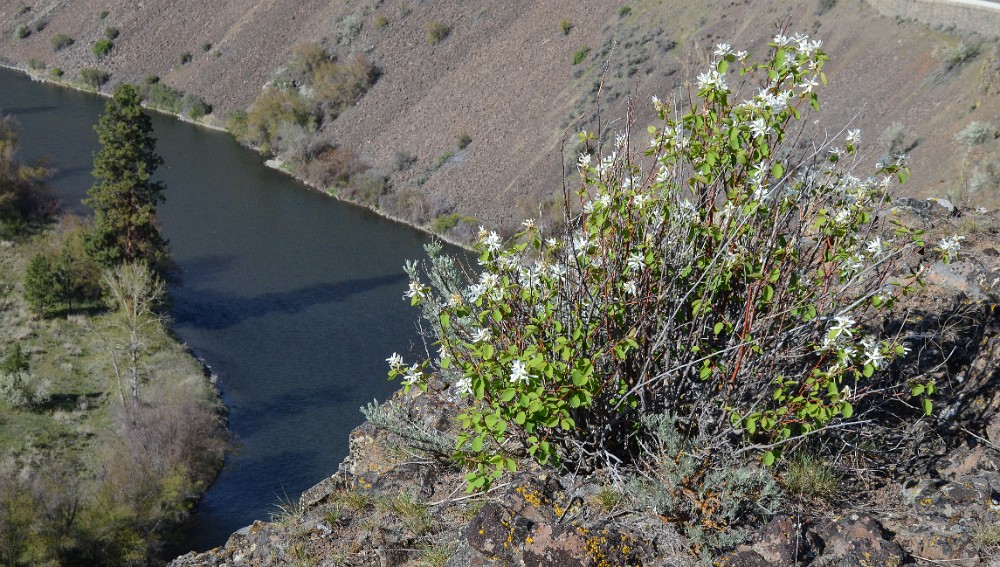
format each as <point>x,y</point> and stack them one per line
<point>292,298</point>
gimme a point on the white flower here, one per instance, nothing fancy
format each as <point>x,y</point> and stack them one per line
<point>742,55</point>
<point>854,136</point>
<point>853,263</point>
<point>781,40</point>
<point>875,247</point>
<point>464,386</point>
<point>723,49</point>
<point>842,325</point>
<point>416,290</point>
<point>481,335</point>
<point>712,79</point>
<point>629,287</point>
<point>492,241</point>
<point>604,200</point>
<point>636,262</point>
<point>808,84</point>
<point>413,375</point>
<point>951,245</point>
<point>528,223</point>
<point>758,127</point>
<point>518,373</point>
<point>873,352</point>
<point>584,161</point>
<point>641,199</point>
<point>395,361</point>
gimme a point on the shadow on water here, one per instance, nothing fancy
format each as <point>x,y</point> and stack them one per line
<point>25,110</point>
<point>214,310</point>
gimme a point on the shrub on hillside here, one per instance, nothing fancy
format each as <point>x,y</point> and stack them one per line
<point>102,47</point>
<point>437,32</point>
<point>196,107</point>
<point>61,41</point>
<point>331,166</point>
<point>275,106</point>
<point>975,133</point>
<point>93,77</point>
<point>723,281</point>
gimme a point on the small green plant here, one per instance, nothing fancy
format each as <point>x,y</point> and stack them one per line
<point>624,11</point>
<point>464,139</point>
<point>111,33</point>
<point>808,478</point>
<point>61,41</point>
<point>437,31</point>
<point>103,15</point>
<point>21,9</point>
<point>36,64</point>
<point>55,73</point>
<point>206,47</point>
<point>436,555</point>
<point>21,31</point>
<point>185,58</point>
<point>102,47</point>
<point>93,77</point>
<point>380,21</point>
<point>610,497</point>
<point>580,54</point>
<point>566,26</point>
<point>986,534</point>
<point>976,133</point>
<point>40,25</point>
<point>411,511</point>
<point>288,510</point>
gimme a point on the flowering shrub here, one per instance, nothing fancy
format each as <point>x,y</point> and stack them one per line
<point>721,279</point>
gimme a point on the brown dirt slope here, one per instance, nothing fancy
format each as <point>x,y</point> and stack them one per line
<point>505,77</point>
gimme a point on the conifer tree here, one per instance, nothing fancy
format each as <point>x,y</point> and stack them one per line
<point>125,196</point>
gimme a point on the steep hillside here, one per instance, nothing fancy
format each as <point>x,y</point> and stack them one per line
<point>480,122</point>
<point>504,78</point>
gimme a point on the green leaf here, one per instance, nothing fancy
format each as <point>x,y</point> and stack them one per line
<point>477,444</point>
<point>917,390</point>
<point>491,421</point>
<point>507,395</point>
<point>445,320</point>
<point>777,171</point>
<point>868,371</point>
<point>847,410</point>
<point>767,294</point>
<point>768,458</point>
<point>928,406</point>
<point>718,328</point>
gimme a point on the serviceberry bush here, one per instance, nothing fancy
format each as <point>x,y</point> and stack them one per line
<point>717,275</point>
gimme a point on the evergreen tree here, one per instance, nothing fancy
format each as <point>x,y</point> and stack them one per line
<point>40,285</point>
<point>125,196</point>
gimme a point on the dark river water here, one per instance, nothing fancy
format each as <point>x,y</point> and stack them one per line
<point>292,298</point>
